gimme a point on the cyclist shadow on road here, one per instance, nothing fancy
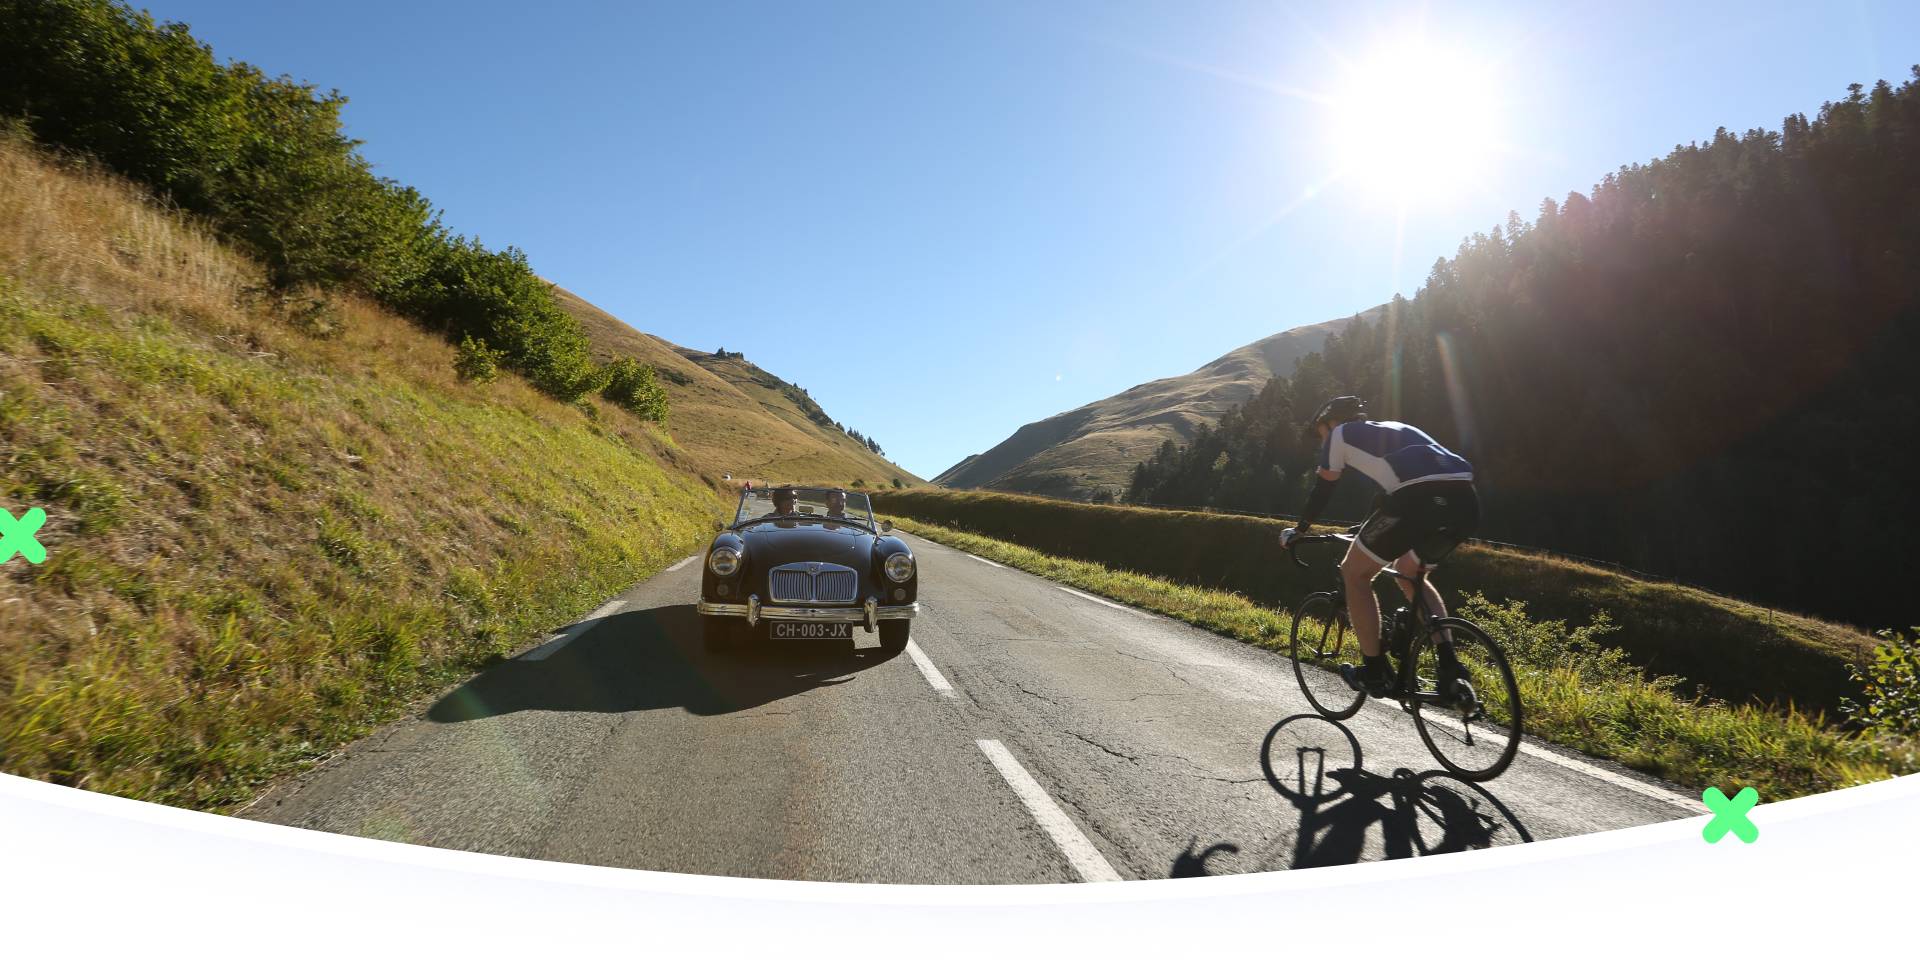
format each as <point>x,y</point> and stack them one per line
<point>1315,764</point>
<point>650,659</point>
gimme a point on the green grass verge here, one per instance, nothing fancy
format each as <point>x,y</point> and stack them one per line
<point>1576,691</point>
<point>263,545</point>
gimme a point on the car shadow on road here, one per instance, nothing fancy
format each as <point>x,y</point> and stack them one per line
<point>1315,763</point>
<point>650,659</point>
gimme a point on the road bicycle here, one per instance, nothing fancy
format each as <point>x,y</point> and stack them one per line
<point>1451,676</point>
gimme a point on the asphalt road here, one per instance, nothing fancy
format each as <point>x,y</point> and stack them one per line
<point>1031,734</point>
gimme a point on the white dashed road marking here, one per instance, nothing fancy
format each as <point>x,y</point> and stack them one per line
<point>987,562</point>
<point>935,679</point>
<point>1081,854</point>
<point>683,563</point>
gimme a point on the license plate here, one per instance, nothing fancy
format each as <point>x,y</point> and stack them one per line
<point>809,631</point>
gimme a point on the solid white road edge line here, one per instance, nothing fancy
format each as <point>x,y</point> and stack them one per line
<point>986,561</point>
<point>1105,602</point>
<point>559,641</point>
<point>935,679</point>
<point>1632,785</point>
<point>683,563</point>
<point>1081,854</point>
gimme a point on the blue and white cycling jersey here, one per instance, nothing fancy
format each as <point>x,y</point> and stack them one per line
<point>1392,454</point>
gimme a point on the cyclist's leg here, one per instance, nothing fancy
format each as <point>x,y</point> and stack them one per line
<point>1443,515</point>
<point>1386,536</point>
<point>1357,571</point>
<point>1409,565</point>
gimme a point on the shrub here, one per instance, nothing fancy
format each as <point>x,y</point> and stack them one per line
<point>1889,705</point>
<point>634,387</point>
<point>265,161</point>
<point>467,289</point>
<point>897,484</point>
<point>1550,644</point>
<point>475,362</point>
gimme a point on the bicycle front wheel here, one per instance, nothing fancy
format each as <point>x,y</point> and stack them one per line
<point>1473,730</point>
<point>1322,640</point>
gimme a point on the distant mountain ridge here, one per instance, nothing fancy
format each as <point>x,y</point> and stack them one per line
<point>1094,448</point>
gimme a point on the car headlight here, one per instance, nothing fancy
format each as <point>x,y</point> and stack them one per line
<point>724,561</point>
<point>899,568</point>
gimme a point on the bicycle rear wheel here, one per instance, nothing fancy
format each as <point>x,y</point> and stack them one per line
<point>1473,733</point>
<point>1322,640</point>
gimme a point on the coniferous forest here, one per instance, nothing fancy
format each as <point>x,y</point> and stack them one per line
<point>1704,370</point>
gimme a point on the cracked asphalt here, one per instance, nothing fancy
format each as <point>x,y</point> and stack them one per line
<point>1174,752</point>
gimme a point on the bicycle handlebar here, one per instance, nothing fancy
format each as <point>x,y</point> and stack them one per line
<point>1293,549</point>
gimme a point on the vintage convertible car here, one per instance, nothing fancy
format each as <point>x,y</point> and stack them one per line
<point>807,563</point>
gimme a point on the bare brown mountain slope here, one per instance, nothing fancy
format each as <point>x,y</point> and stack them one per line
<point>1093,448</point>
<point>734,417</point>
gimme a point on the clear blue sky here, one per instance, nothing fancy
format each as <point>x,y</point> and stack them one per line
<point>1021,207</point>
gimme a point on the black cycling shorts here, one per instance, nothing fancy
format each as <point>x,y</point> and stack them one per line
<point>1429,519</point>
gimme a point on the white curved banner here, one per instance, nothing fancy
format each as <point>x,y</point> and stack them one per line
<point>96,878</point>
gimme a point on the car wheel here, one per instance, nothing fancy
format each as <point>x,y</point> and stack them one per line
<point>720,633</point>
<point>893,636</point>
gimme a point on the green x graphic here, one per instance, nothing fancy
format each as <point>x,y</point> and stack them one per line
<point>16,536</point>
<point>1730,815</point>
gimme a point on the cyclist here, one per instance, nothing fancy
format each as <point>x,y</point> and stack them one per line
<point>1430,506</point>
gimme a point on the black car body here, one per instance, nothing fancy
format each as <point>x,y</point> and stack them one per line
<point>806,562</point>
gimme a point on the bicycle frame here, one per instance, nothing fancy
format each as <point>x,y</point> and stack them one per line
<point>1456,688</point>
<point>1405,680</point>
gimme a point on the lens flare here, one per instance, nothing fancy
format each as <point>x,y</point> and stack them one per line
<point>1415,122</point>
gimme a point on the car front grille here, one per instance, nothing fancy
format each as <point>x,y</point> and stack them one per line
<point>813,583</point>
<point>838,586</point>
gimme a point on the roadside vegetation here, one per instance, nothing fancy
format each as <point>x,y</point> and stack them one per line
<point>1577,689</point>
<point>266,537</point>
<point>1719,647</point>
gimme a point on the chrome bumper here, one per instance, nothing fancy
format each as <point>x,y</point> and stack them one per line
<point>867,614</point>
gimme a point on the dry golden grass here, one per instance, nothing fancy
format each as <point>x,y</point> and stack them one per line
<point>728,419</point>
<point>73,228</point>
<point>261,541</point>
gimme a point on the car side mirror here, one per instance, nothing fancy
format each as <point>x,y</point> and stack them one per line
<point>886,526</point>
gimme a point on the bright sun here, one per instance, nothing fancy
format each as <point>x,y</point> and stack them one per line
<point>1415,124</point>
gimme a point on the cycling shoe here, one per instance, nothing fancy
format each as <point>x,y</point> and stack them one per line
<point>1358,679</point>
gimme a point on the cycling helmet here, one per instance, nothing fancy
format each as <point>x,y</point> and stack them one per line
<point>1338,410</point>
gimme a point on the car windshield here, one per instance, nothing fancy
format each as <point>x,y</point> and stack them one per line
<point>801,502</point>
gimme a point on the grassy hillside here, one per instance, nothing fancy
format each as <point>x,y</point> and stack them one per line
<point>1095,447</point>
<point>733,417</point>
<point>263,541</point>
<point>1732,649</point>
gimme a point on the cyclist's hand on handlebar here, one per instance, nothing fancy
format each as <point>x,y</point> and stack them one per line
<point>1288,536</point>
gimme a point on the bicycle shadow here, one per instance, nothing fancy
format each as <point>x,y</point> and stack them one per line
<point>1419,813</point>
<point>1316,764</point>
